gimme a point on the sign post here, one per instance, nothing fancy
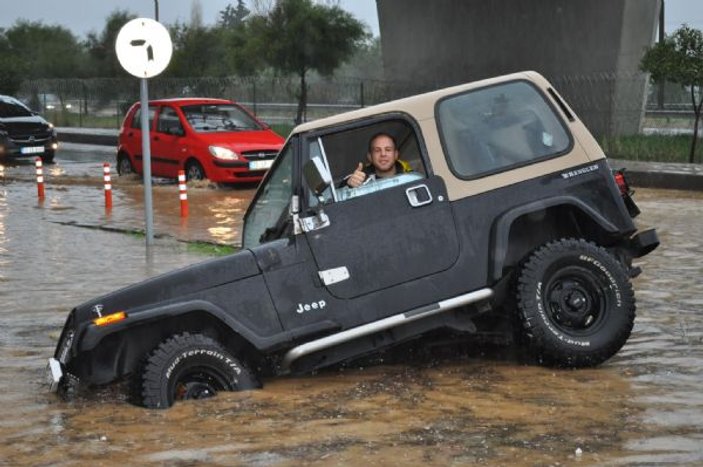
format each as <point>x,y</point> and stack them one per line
<point>144,49</point>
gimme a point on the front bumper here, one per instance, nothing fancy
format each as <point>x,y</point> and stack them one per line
<point>15,150</point>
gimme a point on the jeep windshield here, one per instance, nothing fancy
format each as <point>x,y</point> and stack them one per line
<point>208,118</point>
<point>10,108</point>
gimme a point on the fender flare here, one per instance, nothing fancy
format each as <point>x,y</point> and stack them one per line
<point>501,228</point>
<point>93,335</point>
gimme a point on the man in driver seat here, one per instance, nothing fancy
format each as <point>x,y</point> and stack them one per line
<point>383,162</point>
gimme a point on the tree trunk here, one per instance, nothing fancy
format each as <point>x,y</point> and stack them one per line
<point>302,99</point>
<point>697,112</point>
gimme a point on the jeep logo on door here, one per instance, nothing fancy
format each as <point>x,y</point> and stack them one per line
<point>303,307</point>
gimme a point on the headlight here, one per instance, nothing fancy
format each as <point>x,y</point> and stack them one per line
<point>223,153</point>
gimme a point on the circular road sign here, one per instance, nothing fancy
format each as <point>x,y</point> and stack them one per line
<point>143,47</point>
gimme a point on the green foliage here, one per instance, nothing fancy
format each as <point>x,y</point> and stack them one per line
<point>648,148</point>
<point>197,51</point>
<point>298,36</point>
<point>679,59</point>
<point>101,48</point>
<point>211,249</point>
<point>232,17</point>
<point>10,69</point>
<point>42,51</point>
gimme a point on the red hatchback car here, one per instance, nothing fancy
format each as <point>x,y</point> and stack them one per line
<point>215,139</point>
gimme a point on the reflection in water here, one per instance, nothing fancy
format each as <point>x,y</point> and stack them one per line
<point>468,406</point>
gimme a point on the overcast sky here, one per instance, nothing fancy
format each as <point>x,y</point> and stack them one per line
<point>84,16</point>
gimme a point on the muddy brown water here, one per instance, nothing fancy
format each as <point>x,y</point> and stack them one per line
<point>643,407</point>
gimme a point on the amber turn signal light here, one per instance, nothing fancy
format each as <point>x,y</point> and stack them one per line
<point>110,319</point>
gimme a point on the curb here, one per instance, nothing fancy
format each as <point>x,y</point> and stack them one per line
<point>666,175</point>
<point>88,136</point>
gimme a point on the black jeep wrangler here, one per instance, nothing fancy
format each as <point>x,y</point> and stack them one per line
<point>505,208</point>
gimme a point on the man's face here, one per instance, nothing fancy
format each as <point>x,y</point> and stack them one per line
<point>383,154</point>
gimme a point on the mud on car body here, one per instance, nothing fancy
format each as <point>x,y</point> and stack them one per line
<point>509,215</point>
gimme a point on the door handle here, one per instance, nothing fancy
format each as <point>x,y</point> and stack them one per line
<point>418,195</point>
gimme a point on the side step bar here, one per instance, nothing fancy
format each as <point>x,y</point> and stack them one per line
<point>381,325</point>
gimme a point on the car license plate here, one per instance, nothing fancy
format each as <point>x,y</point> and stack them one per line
<point>53,374</point>
<point>32,150</point>
<point>260,165</point>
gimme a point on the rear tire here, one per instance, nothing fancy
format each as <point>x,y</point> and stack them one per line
<point>576,304</point>
<point>189,366</point>
<point>124,165</point>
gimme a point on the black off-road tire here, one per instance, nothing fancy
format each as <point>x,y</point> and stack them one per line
<point>189,366</point>
<point>576,304</point>
<point>194,171</point>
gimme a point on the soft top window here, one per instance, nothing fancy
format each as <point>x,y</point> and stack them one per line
<point>10,107</point>
<point>499,127</point>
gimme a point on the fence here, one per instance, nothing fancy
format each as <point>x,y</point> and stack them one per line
<point>609,103</point>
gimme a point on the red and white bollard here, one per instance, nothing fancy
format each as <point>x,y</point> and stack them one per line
<point>108,185</point>
<point>40,178</point>
<point>182,193</point>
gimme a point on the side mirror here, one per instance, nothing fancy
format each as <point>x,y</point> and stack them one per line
<point>317,176</point>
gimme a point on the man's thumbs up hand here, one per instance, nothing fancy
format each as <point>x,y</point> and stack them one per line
<point>358,177</point>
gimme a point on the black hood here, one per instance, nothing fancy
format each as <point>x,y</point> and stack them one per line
<point>171,286</point>
<point>25,126</point>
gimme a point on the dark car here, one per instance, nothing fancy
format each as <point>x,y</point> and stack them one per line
<point>24,133</point>
<point>215,139</point>
<point>509,221</point>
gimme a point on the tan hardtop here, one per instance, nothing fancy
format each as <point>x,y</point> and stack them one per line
<point>420,106</point>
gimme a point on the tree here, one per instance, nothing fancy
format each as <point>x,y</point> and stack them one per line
<point>101,48</point>
<point>679,59</point>
<point>232,17</point>
<point>45,51</point>
<point>298,36</point>
<point>197,51</point>
<point>10,69</point>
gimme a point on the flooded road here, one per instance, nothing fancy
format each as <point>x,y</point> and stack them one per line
<point>644,407</point>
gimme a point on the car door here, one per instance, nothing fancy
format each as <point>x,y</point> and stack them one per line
<point>386,237</point>
<point>168,146</point>
<point>133,136</point>
<point>284,255</point>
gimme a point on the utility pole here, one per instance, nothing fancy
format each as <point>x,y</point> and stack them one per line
<point>156,10</point>
<point>660,95</point>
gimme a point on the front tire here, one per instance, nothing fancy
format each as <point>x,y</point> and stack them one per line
<point>576,304</point>
<point>194,171</point>
<point>189,366</point>
<point>48,157</point>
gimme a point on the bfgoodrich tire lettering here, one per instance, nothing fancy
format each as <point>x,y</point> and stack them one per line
<point>576,303</point>
<point>189,366</point>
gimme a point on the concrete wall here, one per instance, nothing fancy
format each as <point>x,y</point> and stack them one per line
<point>589,49</point>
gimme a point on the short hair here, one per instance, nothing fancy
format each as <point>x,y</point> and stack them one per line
<point>379,134</point>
